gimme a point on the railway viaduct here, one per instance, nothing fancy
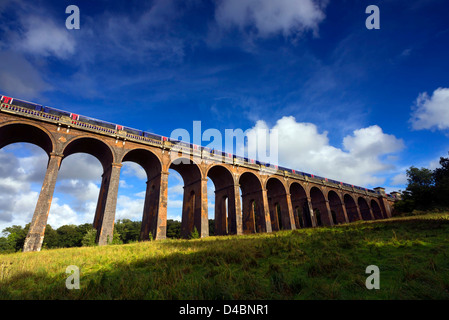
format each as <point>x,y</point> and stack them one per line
<point>271,198</point>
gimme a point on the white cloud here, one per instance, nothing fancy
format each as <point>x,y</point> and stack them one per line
<point>302,147</point>
<point>36,31</point>
<point>371,141</point>
<point>399,180</point>
<point>17,208</point>
<point>63,214</point>
<point>270,17</point>
<point>431,111</point>
<point>80,166</point>
<point>83,191</point>
<point>124,184</point>
<point>21,176</point>
<point>45,38</point>
<point>18,77</point>
<point>129,208</point>
<point>433,164</point>
<point>133,169</point>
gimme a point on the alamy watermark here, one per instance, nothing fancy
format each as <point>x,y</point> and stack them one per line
<point>73,20</point>
<point>372,281</point>
<point>73,280</point>
<point>371,22</point>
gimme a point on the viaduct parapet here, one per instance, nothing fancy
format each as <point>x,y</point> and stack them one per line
<point>250,196</point>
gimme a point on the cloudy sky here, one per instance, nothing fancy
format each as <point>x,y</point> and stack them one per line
<point>348,103</point>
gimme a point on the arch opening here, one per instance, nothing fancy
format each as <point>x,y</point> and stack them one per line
<point>23,132</point>
<point>365,211</point>
<point>278,206</point>
<point>253,217</point>
<point>92,146</point>
<point>144,169</point>
<point>319,207</point>
<point>377,211</point>
<point>107,198</point>
<point>336,207</point>
<point>225,213</point>
<point>78,190</point>
<point>194,207</point>
<point>22,171</point>
<point>351,208</point>
<point>300,203</point>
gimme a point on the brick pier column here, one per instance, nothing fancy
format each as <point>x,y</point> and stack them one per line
<point>194,209</point>
<point>385,207</point>
<point>202,213</point>
<point>107,202</point>
<point>290,212</point>
<point>227,218</point>
<point>154,217</point>
<point>329,213</point>
<point>311,213</point>
<point>359,213</point>
<point>35,237</point>
<point>266,213</point>
<point>236,213</point>
<point>345,213</point>
<point>371,212</point>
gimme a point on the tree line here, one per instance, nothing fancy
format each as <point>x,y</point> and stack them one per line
<point>125,231</point>
<point>427,190</point>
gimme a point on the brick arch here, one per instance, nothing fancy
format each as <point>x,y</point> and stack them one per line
<point>250,181</point>
<point>107,198</point>
<point>300,205</point>
<point>155,186</point>
<point>376,208</point>
<point>220,175</point>
<point>278,204</point>
<point>336,206</point>
<point>364,208</point>
<point>253,205</point>
<point>194,207</point>
<point>189,169</point>
<point>318,199</point>
<point>227,215</point>
<point>93,146</point>
<point>351,207</point>
<point>24,131</point>
<point>147,159</point>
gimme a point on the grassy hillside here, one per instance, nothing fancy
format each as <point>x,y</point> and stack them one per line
<point>323,263</point>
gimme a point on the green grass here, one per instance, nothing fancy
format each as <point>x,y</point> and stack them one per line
<point>323,263</point>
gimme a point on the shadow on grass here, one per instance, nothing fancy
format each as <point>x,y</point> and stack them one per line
<point>323,263</point>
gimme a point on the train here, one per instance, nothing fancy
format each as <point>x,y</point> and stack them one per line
<point>162,139</point>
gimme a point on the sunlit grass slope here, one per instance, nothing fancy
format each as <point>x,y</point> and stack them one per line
<point>323,263</point>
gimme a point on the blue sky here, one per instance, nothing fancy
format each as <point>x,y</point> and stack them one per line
<point>351,104</point>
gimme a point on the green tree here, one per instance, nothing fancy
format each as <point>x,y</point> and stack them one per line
<point>116,238</point>
<point>129,230</point>
<point>15,236</point>
<point>51,238</point>
<point>211,227</point>
<point>421,187</point>
<point>441,177</point>
<point>173,229</point>
<point>89,238</point>
<point>194,234</point>
<point>5,246</point>
<point>69,236</point>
